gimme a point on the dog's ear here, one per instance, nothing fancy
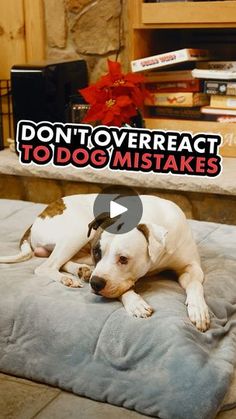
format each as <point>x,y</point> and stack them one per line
<point>156,237</point>
<point>96,223</point>
<point>102,220</point>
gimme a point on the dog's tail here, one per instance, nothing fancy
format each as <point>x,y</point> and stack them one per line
<point>25,253</point>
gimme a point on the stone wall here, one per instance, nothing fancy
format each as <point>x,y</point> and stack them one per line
<point>198,206</point>
<point>89,29</point>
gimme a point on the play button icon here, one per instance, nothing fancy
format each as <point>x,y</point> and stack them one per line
<point>117,209</point>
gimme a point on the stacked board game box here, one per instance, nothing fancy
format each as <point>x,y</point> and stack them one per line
<point>220,84</point>
<point>165,1</point>
<point>175,92</point>
<point>173,1</point>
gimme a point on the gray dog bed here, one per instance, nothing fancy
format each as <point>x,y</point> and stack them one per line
<point>80,342</point>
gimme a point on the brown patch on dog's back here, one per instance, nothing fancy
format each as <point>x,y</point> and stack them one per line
<point>53,209</point>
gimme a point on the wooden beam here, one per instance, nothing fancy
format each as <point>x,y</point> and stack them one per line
<point>34,30</point>
<point>12,35</point>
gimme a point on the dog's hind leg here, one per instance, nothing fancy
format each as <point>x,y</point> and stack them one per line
<point>80,270</point>
<point>61,254</point>
<point>41,252</point>
<point>191,279</point>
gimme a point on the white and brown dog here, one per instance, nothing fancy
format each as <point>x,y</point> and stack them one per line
<point>113,263</point>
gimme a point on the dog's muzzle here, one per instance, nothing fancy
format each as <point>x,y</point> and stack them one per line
<point>97,283</point>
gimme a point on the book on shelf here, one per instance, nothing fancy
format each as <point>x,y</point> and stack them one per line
<point>165,1</point>
<point>214,74</point>
<point>225,102</point>
<point>1,133</point>
<point>169,58</point>
<point>180,99</point>
<point>171,1</point>
<point>226,118</point>
<point>174,1</point>
<point>193,85</point>
<point>175,112</point>
<point>219,87</point>
<point>217,65</point>
<point>219,118</point>
<point>218,111</point>
<point>167,76</point>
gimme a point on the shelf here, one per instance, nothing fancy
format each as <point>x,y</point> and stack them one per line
<point>227,130</point>
<point>189,14</point>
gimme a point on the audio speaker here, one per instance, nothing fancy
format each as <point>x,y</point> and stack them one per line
<point>41,92</point>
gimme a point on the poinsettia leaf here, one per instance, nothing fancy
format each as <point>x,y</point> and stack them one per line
<point>104,82</point>
<point>123,101</point>
<point>137,97</point>
<point>134,78</point>
<point>108,118</point>
<point>95,113</point>
<point>121,91</point>
<point>89,93</point>
<point>114,68</point>
<point>131,111</point>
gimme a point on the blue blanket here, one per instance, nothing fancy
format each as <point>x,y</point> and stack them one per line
<point>80,342</point>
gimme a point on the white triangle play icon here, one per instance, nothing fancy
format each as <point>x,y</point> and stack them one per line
<point>116,209</point>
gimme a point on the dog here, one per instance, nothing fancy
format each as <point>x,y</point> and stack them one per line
<point>78,248</point>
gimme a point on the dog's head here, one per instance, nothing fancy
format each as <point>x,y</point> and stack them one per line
<point>120,260</point>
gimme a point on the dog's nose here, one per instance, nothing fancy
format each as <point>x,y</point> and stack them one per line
<point>97,283</point>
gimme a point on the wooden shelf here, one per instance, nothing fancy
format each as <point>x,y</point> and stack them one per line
<point>189,14</point>
<point>217,21</point>
<point>227,130</point>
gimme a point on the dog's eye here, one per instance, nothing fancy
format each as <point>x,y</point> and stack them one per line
<point>123,260</point>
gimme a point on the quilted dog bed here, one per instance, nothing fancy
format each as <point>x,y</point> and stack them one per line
<point>80,342</point>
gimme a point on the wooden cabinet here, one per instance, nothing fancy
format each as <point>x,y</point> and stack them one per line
<point>162,27</point>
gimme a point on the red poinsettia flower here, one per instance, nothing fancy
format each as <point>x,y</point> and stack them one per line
<point>124,84</point>
<point>113,112</point>
<point>116,97</point>
<point>116,78</point>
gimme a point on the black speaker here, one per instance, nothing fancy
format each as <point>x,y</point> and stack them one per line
<point>41,92</point>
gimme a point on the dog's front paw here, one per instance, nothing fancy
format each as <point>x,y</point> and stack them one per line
<point>84,272</point>
<point>199,315</point>
<point>138,308</point>
<point>71,282</point>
